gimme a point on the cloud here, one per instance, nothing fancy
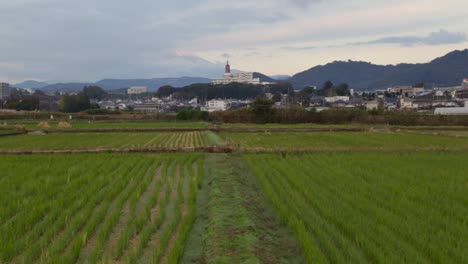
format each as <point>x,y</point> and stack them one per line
<point>441,37</point>
<point>304,3</point>
<point>226,55</point>
<point>298,48</point>
<point>90,40</point>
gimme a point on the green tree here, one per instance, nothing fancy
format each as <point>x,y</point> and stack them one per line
<point>95,92</point>
<point>263,110</point>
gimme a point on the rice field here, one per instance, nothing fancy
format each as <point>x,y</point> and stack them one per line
<point>371,207</point>
<point>280,197</point>
<point>83,141</point>
<point>97,208</point>
<point>89,124</point>
<point>342,141</point>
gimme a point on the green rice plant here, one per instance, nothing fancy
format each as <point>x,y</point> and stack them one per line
<point>370,207</point>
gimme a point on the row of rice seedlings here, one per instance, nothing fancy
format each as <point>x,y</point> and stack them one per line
<point>130,226</point>
<point>333,246</point>
<point>110,222</point>
<point>179,140</point>
<point>280,197</point>
<point>155,141</point>
<point>183,140</point>
<point>170,141</point>
<point>80,219</point>
<point>337,228</point>
<point>69,205</point>
<point>21,179</point>
<point>189,219</point>
<point>321,201</point>
<point>22,220</point>
<point>404,237</point>
<point>323,205</point>
<point>373,209</point>
<point>81,239</point>
<point>197,140</point>
<point>55,220</point>
<point>143,214</point>
<point>155,223</point>
<point>158,253</point>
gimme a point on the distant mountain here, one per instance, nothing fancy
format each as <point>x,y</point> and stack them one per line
<point>263,77</point>
<point>30,84</point>
<point>448,70</point>
<point>152,84</point>
<point>280,77</point>
<point>115,84</point>
<point>64,87</point>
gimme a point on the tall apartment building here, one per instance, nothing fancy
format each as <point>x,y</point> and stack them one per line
<point>4,91</point>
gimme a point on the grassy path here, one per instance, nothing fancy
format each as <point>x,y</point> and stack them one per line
<point>235,224</point>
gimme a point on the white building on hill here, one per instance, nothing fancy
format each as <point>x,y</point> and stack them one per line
<point>243,77</point>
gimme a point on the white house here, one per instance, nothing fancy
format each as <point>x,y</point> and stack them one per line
<point>215,105</point>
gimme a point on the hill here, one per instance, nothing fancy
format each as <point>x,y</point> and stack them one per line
<point>31,84</point>
<point>115,84</point>
<point>448,70</point>
<point>152,84</point>
<point>263,77</point>
<point>64,87</point>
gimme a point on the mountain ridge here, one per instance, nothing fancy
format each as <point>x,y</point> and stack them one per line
<point>447,70</point>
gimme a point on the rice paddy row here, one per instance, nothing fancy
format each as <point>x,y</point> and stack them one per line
<point>371,207</point>
<point>97,208</point>
<point>342,141</point>
<point>82,141</point>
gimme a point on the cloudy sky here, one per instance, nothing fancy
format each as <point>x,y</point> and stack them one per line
<point>87,40</point>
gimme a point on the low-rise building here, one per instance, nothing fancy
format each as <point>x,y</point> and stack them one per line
<point>147,107</point>
<point>465,84</point>
<point>372,105</point>
<point>407,91</point>
<point>461,94</point>
<point>4,91</point>
<point>215,105</point>
<point>137,90</point>
<point>451,111</point>
<point>336,99</point>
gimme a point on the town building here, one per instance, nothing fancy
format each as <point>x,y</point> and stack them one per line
<point>407,91</point>
<point>147,107</point>
<point>215,105</point>
<point>452,110</point>
<point>4,91</point>
<point>465,84</point>
<point>462,94</point>
<point>242,77</point>
<point>336,99</point>
<point>137,90</point>
<point>372,105</point>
